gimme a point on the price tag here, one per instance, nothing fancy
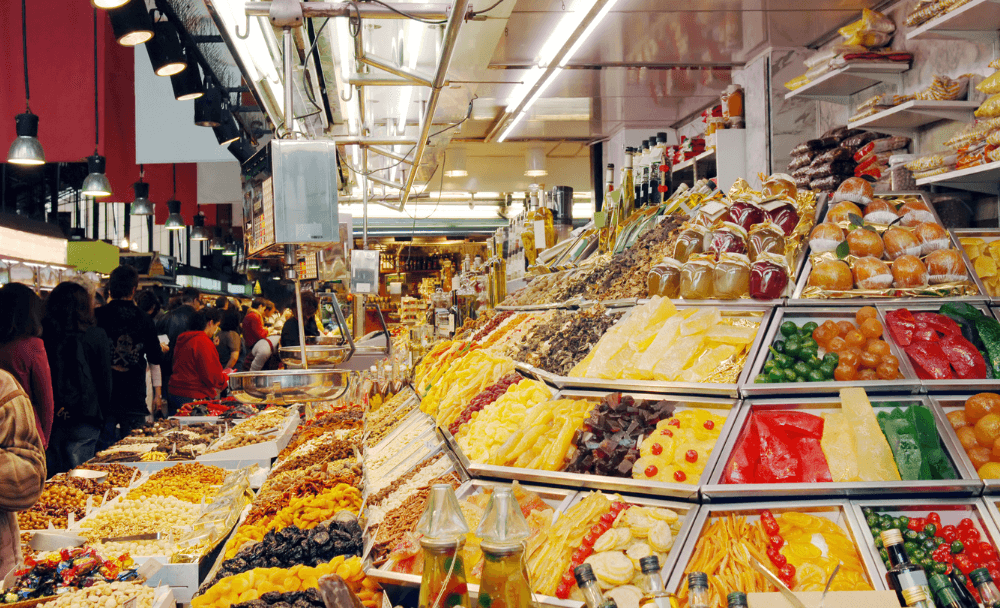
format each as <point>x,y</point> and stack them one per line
<point>600,219</point>
<point>540,234</point>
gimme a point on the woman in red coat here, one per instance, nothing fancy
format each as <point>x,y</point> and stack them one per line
<point>197,370</point>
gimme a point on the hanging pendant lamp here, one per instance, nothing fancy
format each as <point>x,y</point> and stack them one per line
<point>228,131</point>
<point>208,108</point>
<point>175,221</point>
<point>199,232</point>
<point>217,244</point>
<point>187,84</point>
<point>96,183</point>
<point>230,248</point>
<point>165,51</point>
<point>141,205</point>
<point>130,23</point>
<point>26,149</point>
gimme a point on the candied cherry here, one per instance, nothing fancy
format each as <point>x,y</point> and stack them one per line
<point>680,476</point>
<point>674,422</point>
<point>709,425</point>
<point>651,471</point>
<point>657,449</point>
<point>667,432</point>
<point>871,328</point>
<point>691,456</point>
<point>562,591</point>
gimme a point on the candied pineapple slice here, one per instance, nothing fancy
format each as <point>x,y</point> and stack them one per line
<point>702,320</point>
<point>985,267</point>
<point>732,334</point>
<point>708,363</point>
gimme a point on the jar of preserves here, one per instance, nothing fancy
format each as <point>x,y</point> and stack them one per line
<point>746,215</point>
<point>731,278</point>
<point>782,212</point>
<point>691,240</point>
<point>667,276</point>
<point>768,277</point>
<point>697,277</point>
<point>727,238</point>
<point>766,237</point>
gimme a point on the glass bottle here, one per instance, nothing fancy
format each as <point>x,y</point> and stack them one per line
<point>528,231</point>
<point>641,173</point>
<point>944,592</point>
<point>604,238</point>
<point>768,277</point>
<point>443,528</point>
<point>736,599</point>
<point>697,278</point>
<point>903,574</point>
<point>727,238</point>
<point>989,596</point>
<point>766,237</point>
<point>503,530</point>
<point>915,597</point>
<point>958,582</point>
<point>655,162</point>
<point>651,584</point>
<point>731,278</point>
<point>691,240</point>
<point>586,580</point>
<point>627,204</point>
<point>698,593</point>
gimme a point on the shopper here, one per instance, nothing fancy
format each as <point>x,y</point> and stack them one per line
<point>290,331</point>
<point>149,303</point>
<point>22,352</point>
<point>264,355</point>
<point>173,324</point>
<point>197,371</point>
<point>222,303</point>
<point>79,355</point>
<point>134,345</point>
<point>22,466</point>
<point>253,323</point>
<point>229,345</point>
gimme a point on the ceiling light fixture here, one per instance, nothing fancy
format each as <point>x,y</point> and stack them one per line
<point>230,249</point>
<point>26,149</point>
<point>96,183</point>
<point>415,38</point>
<point>242,149</point>
<point>165,51</point>
<point>550,50</point>
<point>108,4</point>
<point>187,84</point>
<point>228,131</point>
<point>216,243</point>
<point>141,205</point>
<point>199,232</point>
<point>458,164</point>
<point>130,23</point>
<point>535,162</point>
<point>175,221</point>
<point>208,108</point>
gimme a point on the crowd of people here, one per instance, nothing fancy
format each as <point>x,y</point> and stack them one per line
<point>93,371</point>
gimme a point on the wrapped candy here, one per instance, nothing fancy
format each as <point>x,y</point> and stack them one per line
<point>727,238</point>
<point>769,277</point>
<point>665,279</point>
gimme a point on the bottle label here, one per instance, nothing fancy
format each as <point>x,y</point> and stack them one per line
<point>539,234</point>
<point>914,578</point>
<point>599,219</point>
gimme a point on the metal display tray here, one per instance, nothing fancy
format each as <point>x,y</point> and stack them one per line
<point>289,386</point>
<point>731,390</point>
<point>908,384</point>
<point>557,498</point>
<point>803,280</point>
<point>967,483</point>
<point>946,404</point>
<point>953,384</point>
<point>951,511</point>
<point>681,491</point>
<point>988,235</point>
<point>837,511</point>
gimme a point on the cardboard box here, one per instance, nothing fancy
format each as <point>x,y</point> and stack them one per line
<point>834,599</point>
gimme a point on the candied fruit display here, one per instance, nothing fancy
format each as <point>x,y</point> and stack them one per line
<point>832,275</point>
<point>862,243</point>
<point>959,341</point>
<point>677,450</point>
<point>985,258</point>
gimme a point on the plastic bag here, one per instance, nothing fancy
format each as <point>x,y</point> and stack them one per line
<point>801,161</point>
<point>831,155</point>
<point>886,144</point>
<point>944,88</point>
<point>990,108</point>
<point>873,30</point>
<point>857,141</point>
<point>991,85</point>
<point>834,167</point>
<point>826,184</point>
<point>820,57</point>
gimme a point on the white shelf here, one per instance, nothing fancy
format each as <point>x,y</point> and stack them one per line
<point>977,20</point>
<point>983,178</point>
<point>912,115</point>
<point>705,156</point>
<point>838,85</point>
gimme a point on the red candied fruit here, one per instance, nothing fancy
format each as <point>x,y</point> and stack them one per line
<point>674,422</point>
<point>657,449</point>
<point>667,432</point>
<point>680,476</point>
<point>709,425</point>
<point>691,456</point>
<point>651,471</point>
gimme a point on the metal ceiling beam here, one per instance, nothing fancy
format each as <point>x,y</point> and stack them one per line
<point>390,154</point>
<point>416,79</point>
<point>385,182</point>
<point>497,128</point>
<point>374,80</point>
<point>433,12</point>
<point>373,141</point>
<point>451,31</point>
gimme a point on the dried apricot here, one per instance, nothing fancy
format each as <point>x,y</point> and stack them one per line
<point>957,419</point>
<point>967,437</point>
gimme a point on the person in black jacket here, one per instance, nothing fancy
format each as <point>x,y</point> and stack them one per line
<point>290,331</point>
<point>173,324</point>
<point>79,355</point>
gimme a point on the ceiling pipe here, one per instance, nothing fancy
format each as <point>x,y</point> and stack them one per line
<point>507,116</point>
<point>390,154</point>
<point>373,80</point>
<point>455,20</point>
<point>373,141</point>
<point>395,71</point>
<point>431,12</point>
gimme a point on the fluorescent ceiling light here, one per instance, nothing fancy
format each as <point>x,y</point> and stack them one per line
<point>458,163</point>
<point>480,196</point>
<point>414,39</point>
<point>587,32</point>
